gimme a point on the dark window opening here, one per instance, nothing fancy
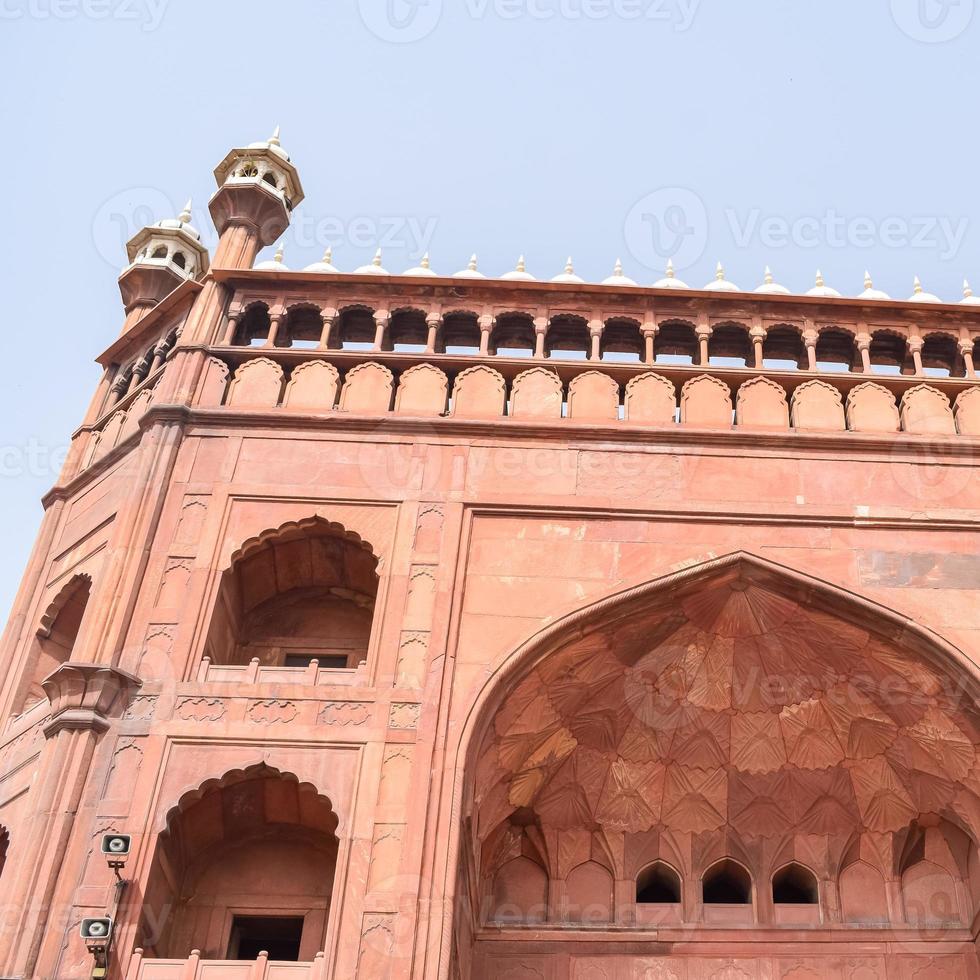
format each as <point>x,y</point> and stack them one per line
<point>727,883</point>
<point>622,341</point>
<point>513,336</point>
<point>278,936</point>
<point>676,343</point>
<point>658,885</point>
<point>794,886</point>
<point>253,328</point>
<point>355,331</point>
<point>329,661</point>
<point>730,346</point>
<point>568,338</point>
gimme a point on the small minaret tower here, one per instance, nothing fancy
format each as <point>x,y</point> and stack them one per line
<point>258,187</point>
<point>161,257</point>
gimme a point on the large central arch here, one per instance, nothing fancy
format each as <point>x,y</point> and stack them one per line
<point>748,746</point>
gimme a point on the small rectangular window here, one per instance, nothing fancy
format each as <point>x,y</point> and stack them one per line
<point>330,661</point>
<point>279,936</point>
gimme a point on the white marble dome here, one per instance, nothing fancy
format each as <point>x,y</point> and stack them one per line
<point>869,289</point>
<point>519,273</point>
<point>470,272</point>
<point>618,278</point>
<point>422,269</point>
<point>274,264</point>
<point>770,286</point>
<point>374,269</point>
<point>325,265</point>
<point>720,284</point>
<point>568,274</point>
<point>821,290</point>
<point>670,280</point>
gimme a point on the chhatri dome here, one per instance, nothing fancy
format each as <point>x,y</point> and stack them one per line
<point>821,289</point>
<point>968,298</point>
<point>617,278</point>
<point>422,269</point>
<point>275,264</point>
<point>920,296</point>
<point>374,269</point>
<point>720,284</point>
<point>770,286</point>
<point>568,275</point>
<point>325,265</point>
<point>869,289</point>
<point>670,281</point>
<point>520,273</point>
<point>470,272</point>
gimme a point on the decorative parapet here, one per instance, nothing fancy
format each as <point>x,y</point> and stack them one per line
<point>84,696</point>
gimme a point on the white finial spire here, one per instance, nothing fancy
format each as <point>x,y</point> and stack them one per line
<point>916,286</point>
<point>472,263</point>
<point>720,272</point>
<point>670,268</point>
<point>425,261</point>
<point>328,255</point>
<point>618,268</point>
<point>377,259</point>
<point>569,268</point>
<point>185,215</point>
<point>521,266</point>
<point>819,280</point>
<point>274,141</point>
<point>280,249</point>
<point>967,291</point>
<point>868,284</point>
<point>767,277</point>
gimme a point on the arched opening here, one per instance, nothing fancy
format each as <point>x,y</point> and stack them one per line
<point>180,260</point>
<point>460,334</point>
<point>729,346</point>
<point>726,883</point>
<point>513,335</point>
<point>934,869</point>
<point>407,332</point>
<point>735,708</point>
<point>621,341</point>
<point>940,356</point>
<point>836,350</point>
<point>794,885</point>
<point>253,327</point>
<point>160,252</point>
<point>568,338</point>
<point>676,343</point>
<point>304,592</point>
<point>55,638</point>
<point>783,349</point>
<point>270,178</point>
<point>245,863</point>
<point>887,352</point>
<point>659,884</point>
<point>302,328</point>
<point>355,329</point>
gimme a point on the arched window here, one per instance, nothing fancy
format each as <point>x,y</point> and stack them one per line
<point>355,330</point>
<point>408,332</point>
<point>253,328</point>
<point>568,339</point>
<point>513,335</point>
<point>836,350</point>
<point>783,349</point>
<point>160,252</point>
<point>245,864</point>
<point>887,352</point>
<point>305,592</point>
<point>301,329</point>
<point>729,346</point>
<point>270,178</point>
<point>726,883</point>
<point>460,334</point>
<point>180,260</point>
<point>676,343</point>
<point>940,356</point>
<point>794,885</point>
<point>658,884</point>
<point>621,341</point>
<point>56,636</point>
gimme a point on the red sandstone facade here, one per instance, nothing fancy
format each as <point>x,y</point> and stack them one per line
<point>400,655</point>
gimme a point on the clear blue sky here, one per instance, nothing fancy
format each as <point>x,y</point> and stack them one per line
<point>835,134</point>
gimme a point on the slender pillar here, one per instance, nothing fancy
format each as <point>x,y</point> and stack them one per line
<point>703,333</point>
<point>432,322</point>
<point>915,345</point>
<point>231,328</point>
<point>381,321</point>
<point>330,318</point>
<point>274,322</point>
<point>864,346</point>
<point>596,328</point>
<point>487,324</point>
<point>966,352</point>
<point>649,331</point>
<point>810,340</point>
<point>758,336</point>
<point>540,332</point>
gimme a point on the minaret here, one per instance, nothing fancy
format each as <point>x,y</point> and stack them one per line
<point>258,187</point>
<point>161,257</point>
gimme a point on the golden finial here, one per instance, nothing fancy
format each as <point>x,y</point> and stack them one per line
<point>767,278</point>
<point>279,252</point>
<point>185,215</point>
<point>569,268</point>
<point>328,256</point>
<point>670,268</point>
<point>275,138</point>
<point>967,291</point>
<point>917,286</point>
<point>377,259</point>
<point>819,280</point>
<point>425,261</point>
<point>720,272</point>
<point>520,265</point>
<point>868,284</point>
<point>472,263</point>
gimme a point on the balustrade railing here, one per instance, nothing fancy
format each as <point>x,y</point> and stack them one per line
<point>255,673</point>
<point>195,968</point>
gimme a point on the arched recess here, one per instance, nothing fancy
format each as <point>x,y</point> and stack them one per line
<point>738,703</point>
<point>300,592</point>
<point>245,862</point>
<point>55,638</point>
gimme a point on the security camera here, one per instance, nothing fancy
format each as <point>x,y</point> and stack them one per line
<point>96,933</point>
<point>116,847</point>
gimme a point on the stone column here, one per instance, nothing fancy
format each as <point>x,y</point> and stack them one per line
<point>381,321</point>
<point>758,337</point>
<point>487,323</point>
<point>230,329</point>
<point>140,371</point>
<point>275,320</point>
<point>595,335</point>
<point>83,698</point>
<point>540,332</point>
<point>864,346</point>
<point>159,355</point>
<point>118,390</point>
<point>810,340</point>
<point>649,331</point>
<point>703,333</point>
<point>915,345</point>
<point>433,322</point>
<point>330,317</point>
<point>966,352</point>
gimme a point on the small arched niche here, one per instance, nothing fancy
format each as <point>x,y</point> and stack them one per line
<point>795,895</point>
<point>253,327</point>
<point>245,863</point>
<point>658,884</point>
<point>726,893</point>
<point>55,638</point>
<point>303,592</point>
